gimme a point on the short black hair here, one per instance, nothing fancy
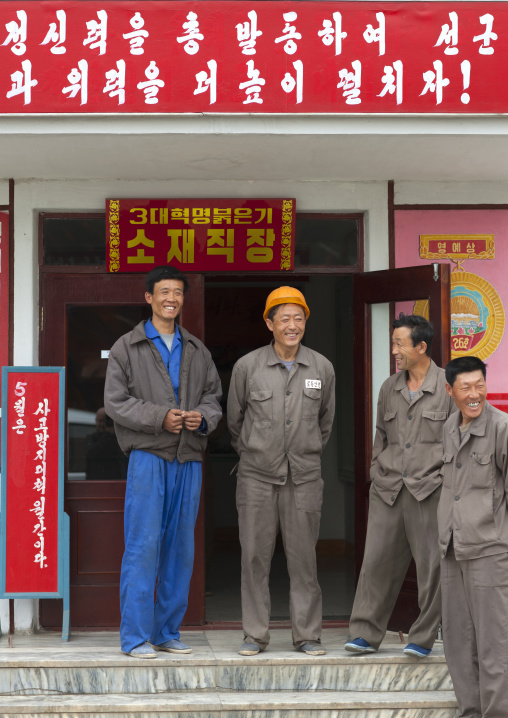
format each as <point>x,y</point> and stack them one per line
<point>421,329</point>
<point>273,311</point>
<point>464,365</point>
<point>165,271</point>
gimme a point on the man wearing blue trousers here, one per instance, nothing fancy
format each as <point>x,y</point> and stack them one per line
<point>162,391</point>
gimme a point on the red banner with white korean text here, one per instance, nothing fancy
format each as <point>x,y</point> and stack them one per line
<point>200,234</point>
<point>31,472</point>
<point>160,56</point>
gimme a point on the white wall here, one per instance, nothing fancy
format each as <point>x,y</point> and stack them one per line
<point>4,191</point>
<point>451,192</point>
<point>34,196</point>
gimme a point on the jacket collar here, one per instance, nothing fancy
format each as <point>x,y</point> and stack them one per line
<point>302,355</point>
<point>151,332</point>
<point>138,334</point>
<point>478,426</point>
<point>429,383</point>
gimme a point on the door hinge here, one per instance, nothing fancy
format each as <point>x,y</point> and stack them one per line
<point>42,319</point>
<point>436,271</point>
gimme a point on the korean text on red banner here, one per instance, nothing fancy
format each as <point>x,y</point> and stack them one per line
<point>259,57</point>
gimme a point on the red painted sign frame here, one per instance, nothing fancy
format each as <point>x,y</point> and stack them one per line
<point>198,235</point>
<point>34,530</point>
<point>162,56</point>
<point>31,406</point>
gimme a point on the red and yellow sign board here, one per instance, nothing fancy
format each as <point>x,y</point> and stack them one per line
<point>457,246</point>
<point>200,234</point>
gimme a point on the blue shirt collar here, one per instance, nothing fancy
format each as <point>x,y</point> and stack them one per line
<point>151,332</point>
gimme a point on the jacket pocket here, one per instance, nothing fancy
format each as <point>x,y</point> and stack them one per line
<point>390,420</point>
<point>481,472</point>
<point>432,426</point>
<point>259,442</point>
<point>311,403</point>
<point>262,404</point>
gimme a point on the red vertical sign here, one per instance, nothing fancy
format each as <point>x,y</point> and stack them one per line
<point>32,469</point>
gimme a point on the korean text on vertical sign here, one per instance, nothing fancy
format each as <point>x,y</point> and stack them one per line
<point>32,529</point>
<point>200,234</point>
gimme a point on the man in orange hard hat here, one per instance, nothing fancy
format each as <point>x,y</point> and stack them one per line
<point>280,412</point>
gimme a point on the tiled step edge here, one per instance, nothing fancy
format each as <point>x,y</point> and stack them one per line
<point>222,703</point>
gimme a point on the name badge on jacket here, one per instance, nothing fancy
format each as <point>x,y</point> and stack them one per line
<point>313,383</point>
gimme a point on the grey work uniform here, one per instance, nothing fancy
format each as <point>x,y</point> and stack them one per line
<point>279,423</point>
<point>405,472</point>
<point>473,541</point>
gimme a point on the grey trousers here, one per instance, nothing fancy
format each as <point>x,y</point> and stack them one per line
<point>475,632</point>
<point>296,509</point>
<point>394,534</point>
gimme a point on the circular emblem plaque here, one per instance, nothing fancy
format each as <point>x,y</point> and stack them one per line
<point>477,315</point>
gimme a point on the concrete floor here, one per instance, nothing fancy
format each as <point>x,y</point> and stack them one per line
<point>95,646</point>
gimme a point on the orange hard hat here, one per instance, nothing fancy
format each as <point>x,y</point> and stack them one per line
<point>285,295</point>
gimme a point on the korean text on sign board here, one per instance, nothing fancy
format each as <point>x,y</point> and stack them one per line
<point>156,56</point>
<point>200,235</point>
<point>32,483</point>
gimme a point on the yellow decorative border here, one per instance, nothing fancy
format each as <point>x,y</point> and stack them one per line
<point>114,235</point>
<point>287,222</point>
<point>496,319</point>
<point>426,238</point>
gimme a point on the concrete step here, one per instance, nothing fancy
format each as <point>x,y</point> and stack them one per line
<point>260,704</point>
<point>91,663</point>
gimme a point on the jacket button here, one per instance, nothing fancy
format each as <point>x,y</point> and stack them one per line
<point>451,530</point>
<point>392,498</point>
<point>404,474</point>
<point>282,479</point>
<point>288,421</point>
<point>409,417</point>
<point>408,446</point>
<point>459,465</point>
<point>457,498</point>
<point>288,393</point>
<point>444,553</point>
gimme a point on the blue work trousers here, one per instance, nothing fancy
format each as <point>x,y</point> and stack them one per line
<point>161,507</point>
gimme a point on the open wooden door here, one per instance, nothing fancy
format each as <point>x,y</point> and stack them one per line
<point>374,296</point>
<point>82,315</point>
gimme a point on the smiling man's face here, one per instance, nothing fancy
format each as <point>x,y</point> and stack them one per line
<point>405,354</point>
<point>288,326</point>
<point>469,391</point>
<point>166,300</point>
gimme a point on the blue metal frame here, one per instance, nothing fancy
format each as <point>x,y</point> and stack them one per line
<point>63,519</point>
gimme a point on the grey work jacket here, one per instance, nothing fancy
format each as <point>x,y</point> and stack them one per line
<point>408,446</point>
<point>138,394</point>
<point>276,416</point>
<point>473,504</point>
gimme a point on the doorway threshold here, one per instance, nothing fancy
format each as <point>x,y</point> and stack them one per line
<point>274,625</point>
